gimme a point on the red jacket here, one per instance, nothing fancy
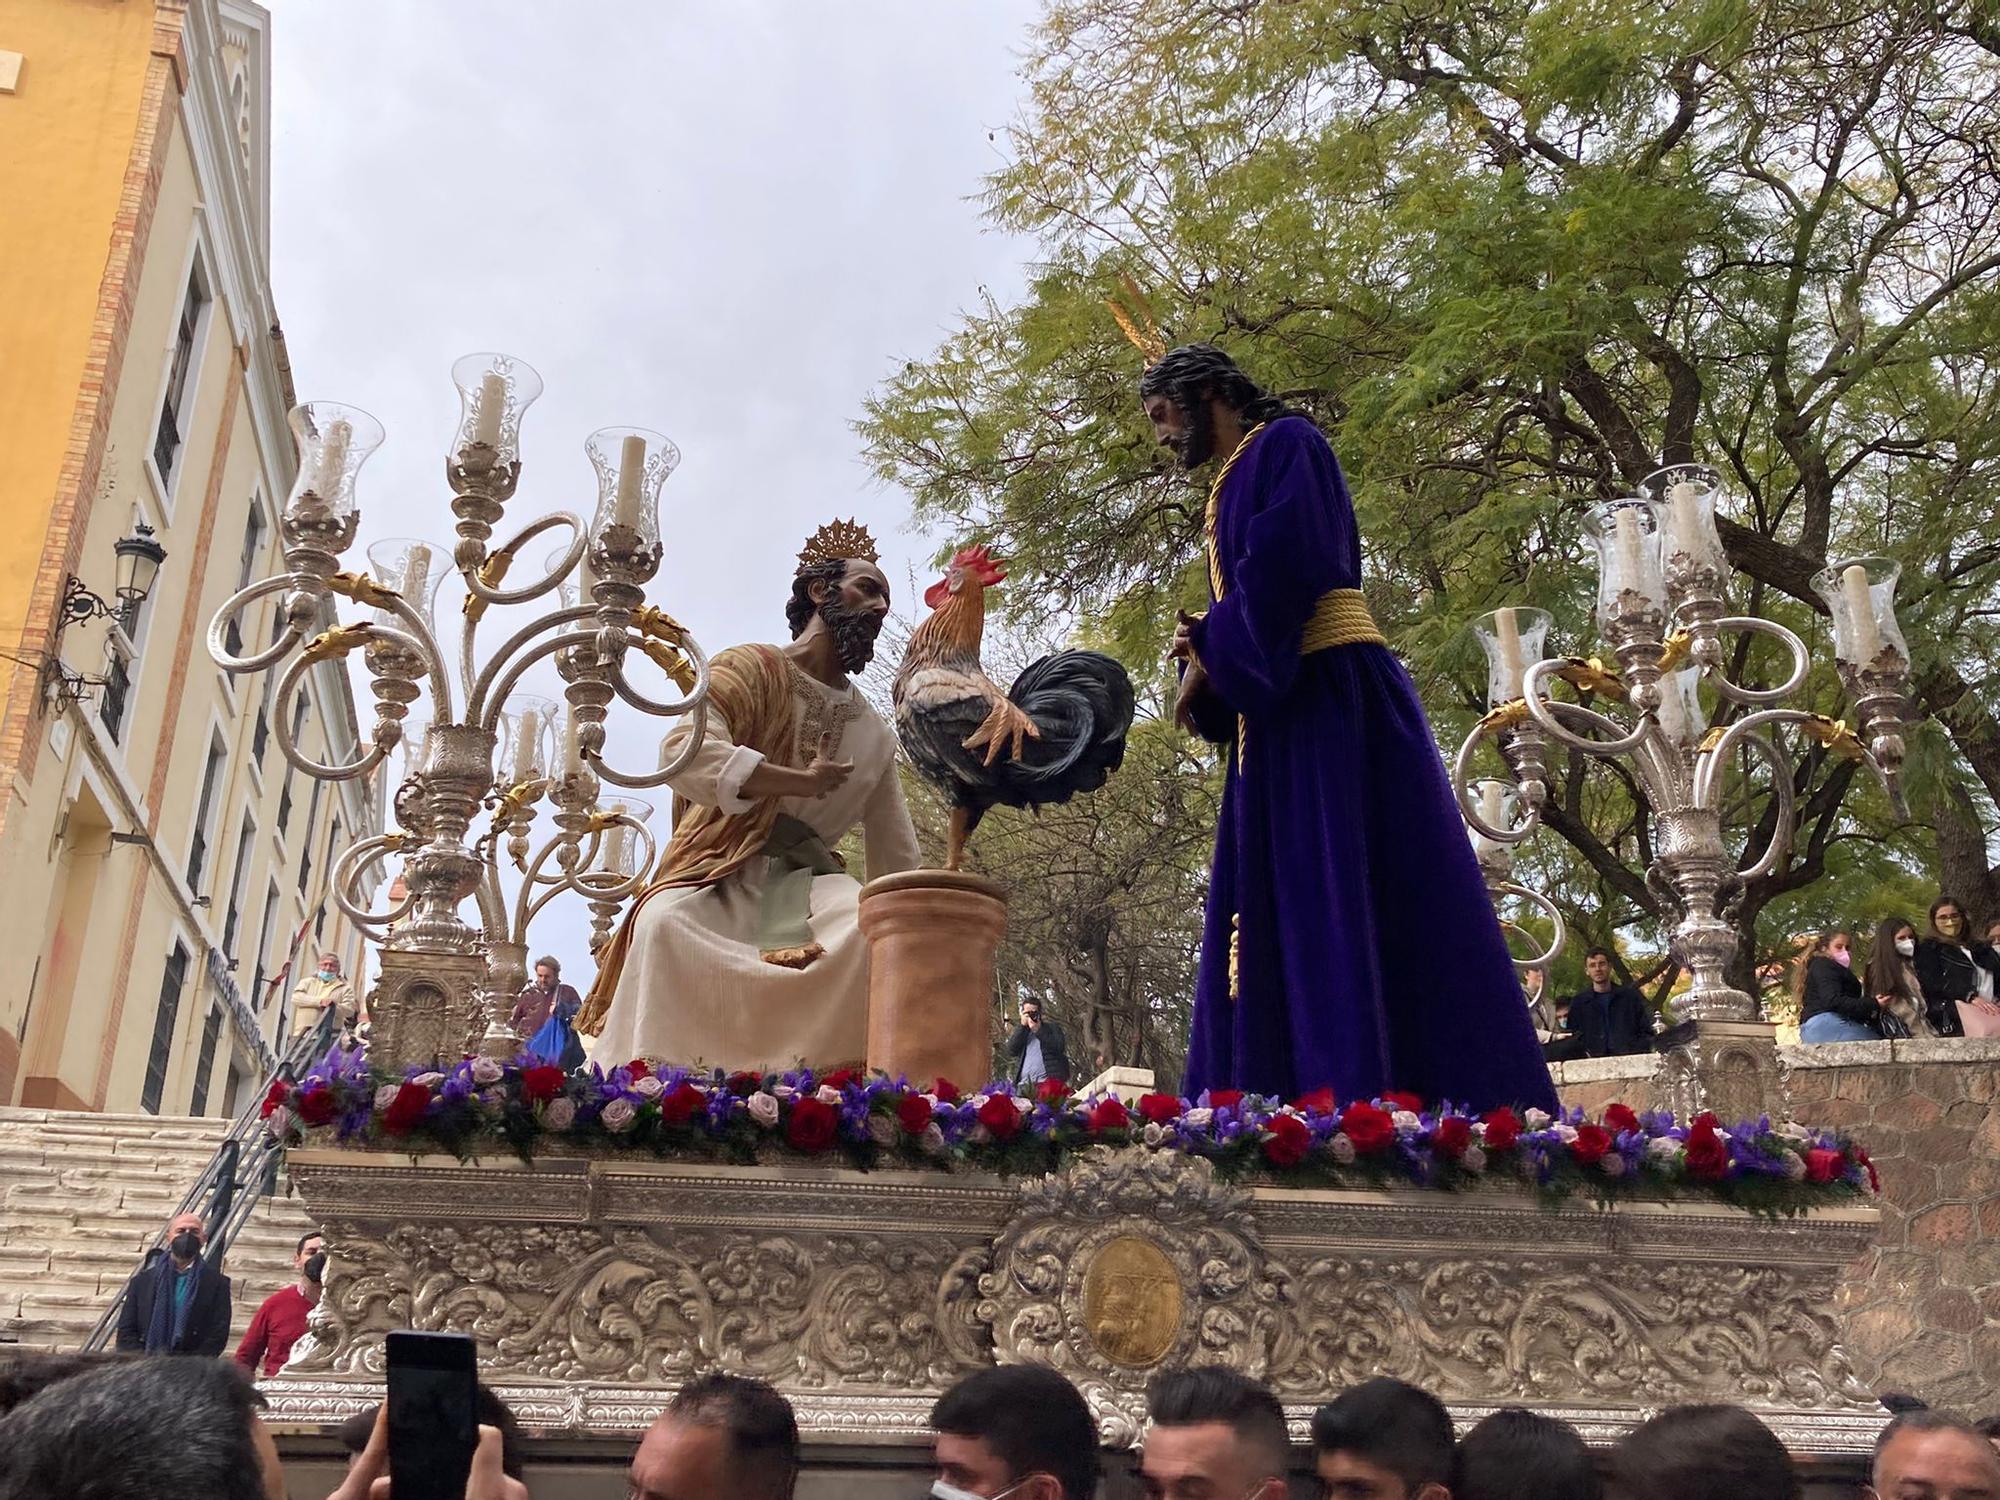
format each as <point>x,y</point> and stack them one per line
<point>279,1324</point>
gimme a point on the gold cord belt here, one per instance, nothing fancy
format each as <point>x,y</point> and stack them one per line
<point>1341,618</point>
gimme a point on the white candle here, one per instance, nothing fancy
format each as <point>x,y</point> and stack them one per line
<point>1683,504</point>
<point>572,747</point>
<point>586,580</point>
<point>1861,611</point>
<point>614,843</point>
<point>525,731</point>
<point>1492,806</point>
<point>1507,634</point>
<point>1630,549</point>
<point>332,460</point>
<point>492,404</point>
<point>416,575</point>
<point>1672,714</point>
<point>631,465</point>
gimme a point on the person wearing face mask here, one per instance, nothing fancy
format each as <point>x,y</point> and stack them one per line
<point>320,992</point>
<point>1832,1007</point>
<point>1891,978</point>
<point>177,1303</point>
<point>1019,1431</point>
<point>1958,974</point>
<point>281,1321</point>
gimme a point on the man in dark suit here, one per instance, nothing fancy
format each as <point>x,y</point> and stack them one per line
<point>1037,1048</point>
<point>177,1303</point>
<point>1608,1019</point>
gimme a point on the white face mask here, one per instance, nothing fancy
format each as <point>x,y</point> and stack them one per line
<point>942,1491</point>
<point>1907,947</point>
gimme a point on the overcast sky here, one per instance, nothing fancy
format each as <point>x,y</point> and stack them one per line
<point>726,221</point>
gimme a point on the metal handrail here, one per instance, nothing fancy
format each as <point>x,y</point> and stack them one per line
<point>240,1175</point>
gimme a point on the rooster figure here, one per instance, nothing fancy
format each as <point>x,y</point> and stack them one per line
<point>1058,731</point>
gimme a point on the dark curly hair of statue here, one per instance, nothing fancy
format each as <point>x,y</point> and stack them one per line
<point>1192,373</point>
<point>800,608</point>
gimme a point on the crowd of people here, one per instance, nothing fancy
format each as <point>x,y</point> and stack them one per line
<point>1938,983</point>
<point>162,1429</point>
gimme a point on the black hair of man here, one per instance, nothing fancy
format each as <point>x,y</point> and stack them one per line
<point>1212,1394</point>
<point>25,1375</point>
<point>1392,1425</point>
<point>1603,953</point>
<point>801,607</point>
<point>1988,1427</point>
<point>1704,1453</point>
<point>137,1430</point>
<point>1523,1455</point>
<point>1193,374</point>
<point>1930,1419</point>
<point>306,1239</point>
<point>1032,1418</point>
<point>488,1410</point>
<point>763,1433</point>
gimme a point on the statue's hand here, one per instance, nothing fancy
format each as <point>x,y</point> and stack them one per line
<point>824,774</point>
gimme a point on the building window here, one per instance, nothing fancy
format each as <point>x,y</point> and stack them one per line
<point>167,439</point>
<point>253,543</point>
<point>285,796</point>
<point>232,922</point>
<point>171,983</point>
<point>266,935</point>
<point>306,846</point>
<point>260,736</point>
<point>211,1030</point>
<point>204,815</point>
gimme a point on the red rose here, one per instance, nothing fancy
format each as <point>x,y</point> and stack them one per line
<point>408,1107</point>
<point>1369,1128</point>
<point>316,1106</point>
<point>1707,1158</point>
<point>1706,1120</point>
<point>1619,1118</point>
<point>1503,1129</point>
<point>678,1107</point>
<point>638,1069</point>
<point>1452,1136</point>
<point>280,1092</point>
<point>541,1082</point>
<point>1224,1098</point>
<point>1591,1142</point>
<point>1288,1140</point>
<point>1159,1109</point>
<point>743,1085</point>
<point>913,1113</point>
<point>1000,1116</point>
<point>1823,1165</point>
<point>1051,1091</point>
<point>945,1091</point>
<point>1318,1102</point>
<point>840,1078</point>
<point>1109,1114</point>
<point>812,1124</point>
<point>1404,1101</point>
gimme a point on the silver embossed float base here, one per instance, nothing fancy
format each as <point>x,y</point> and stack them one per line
<point>597,1285</point>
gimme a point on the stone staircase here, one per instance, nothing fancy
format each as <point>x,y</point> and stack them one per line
<point>83,1195</point>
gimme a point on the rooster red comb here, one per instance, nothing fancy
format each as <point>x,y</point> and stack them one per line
<point>977,563</point>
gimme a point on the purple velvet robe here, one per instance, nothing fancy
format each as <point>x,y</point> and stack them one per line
<point>1368,956</point>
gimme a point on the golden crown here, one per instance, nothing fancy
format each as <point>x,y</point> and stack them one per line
<point>837,541</point>
<point>1137,323</point>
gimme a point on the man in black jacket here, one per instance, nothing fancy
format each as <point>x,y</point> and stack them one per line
<point>1608,1020</point>
<point>177,1303</point>
<point>1037,1048</point>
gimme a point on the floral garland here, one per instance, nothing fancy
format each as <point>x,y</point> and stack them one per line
<point>866,1121</point>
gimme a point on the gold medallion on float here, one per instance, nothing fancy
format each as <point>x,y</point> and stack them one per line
<point>1132,1302</point>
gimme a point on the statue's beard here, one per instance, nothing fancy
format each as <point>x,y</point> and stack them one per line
<point>1196,445</point>
<point>854,632</point>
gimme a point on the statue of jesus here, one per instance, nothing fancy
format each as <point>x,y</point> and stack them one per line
<point>744,951</point>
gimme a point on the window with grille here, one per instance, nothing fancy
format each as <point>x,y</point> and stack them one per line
<point>232,923</point>
<point>174,403</point>
<point>246,570</point>
<point>211,1030</point>
<point>204,815</point>
<point>306,844</point>
<point>172,981</point>
<point>266,935</point>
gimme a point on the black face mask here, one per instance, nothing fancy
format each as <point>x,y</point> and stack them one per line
<point>316,1267</point>
<point>186,1245</point>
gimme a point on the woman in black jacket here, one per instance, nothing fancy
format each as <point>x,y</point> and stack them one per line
<point>1959,974</point>
<point>1832,1007</point>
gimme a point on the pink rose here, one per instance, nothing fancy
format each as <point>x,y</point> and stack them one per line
<point>619,1115</point>
<point>764,1109</point>
<point>560,1115</point>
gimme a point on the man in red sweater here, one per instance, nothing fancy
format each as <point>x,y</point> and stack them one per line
<point>281,1321</point>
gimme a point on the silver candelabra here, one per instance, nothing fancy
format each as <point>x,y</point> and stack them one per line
<point>1662,613</point>
<point>447,985</point>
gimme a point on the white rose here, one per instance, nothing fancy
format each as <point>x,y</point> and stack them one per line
<point>386,1095</point>
<point>648,1087</point>
<point>883,1129</point>
<point>1472,1159</point>
<point>1613,1164</point>
<point>1663,1148</point>
<point>764,1109</point>
<point>1154,1133</point>
<point>279,1123</point>
<point>560,1114</point>
<point>1022,1104</point>
<point>976,1101</point>
<point>1564,1133</point>
<point>782,1091</point>
<point>1537,1119</point>
<point>1198,1119</point>
<point>1341,1149</point>
<point>1792,1130</point>
<point>486,1070</point>
<point>619,1115</point>
<point>826,1095</point>
<point>429,1080</point>
<point>932,1139</point>
<point>1404,1120</point>
<point>1795,1166</point>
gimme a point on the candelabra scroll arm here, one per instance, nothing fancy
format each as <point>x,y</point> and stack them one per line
<point>1801,662</point>
<point>1781,788</point>
<point>1560,929</point>
<point>683,757</point>
<point>688,657</point>
<point>478,588</point>
<point>1461,785</point>
<point>271,655</point>
<point>497,679</point>
<point>283,695</point>
<point>528,905</point>
<point>348,869</point>
<point>420,639</point>
<point>1543,710</point>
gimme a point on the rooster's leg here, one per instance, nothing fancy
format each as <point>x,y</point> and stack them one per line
<point>961,825</point>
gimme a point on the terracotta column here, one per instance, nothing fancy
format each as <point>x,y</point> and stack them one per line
<point>931,937</point>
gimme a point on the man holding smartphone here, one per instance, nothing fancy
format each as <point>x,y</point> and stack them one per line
<point>1038,1048</point>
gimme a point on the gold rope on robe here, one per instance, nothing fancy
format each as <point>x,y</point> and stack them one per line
<point>750,687</point>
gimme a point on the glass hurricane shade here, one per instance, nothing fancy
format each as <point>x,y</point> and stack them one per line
<point>1682,718</point>
<point>1860,594</point>
<point>619,850</point>
<point>1513,639</point>
<point>1497,802</point>
<point>526,736</point>
<point>631,463</point>
<point>412,568</point>
<point>139,559</point>
<point>1626,536</point>
<point>1684,497</point>
<point>333,442</point>
<point>494,393</point>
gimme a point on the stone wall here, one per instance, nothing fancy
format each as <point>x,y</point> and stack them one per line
<point>1921,1309</point>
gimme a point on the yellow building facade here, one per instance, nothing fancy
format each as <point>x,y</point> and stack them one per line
<point>164,869</point>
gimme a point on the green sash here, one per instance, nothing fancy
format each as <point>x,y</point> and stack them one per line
<point>784,926</point>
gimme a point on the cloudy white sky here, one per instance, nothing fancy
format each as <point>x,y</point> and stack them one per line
<point>725,220</point>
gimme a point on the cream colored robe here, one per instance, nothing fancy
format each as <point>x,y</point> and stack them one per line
<point>693,988</point>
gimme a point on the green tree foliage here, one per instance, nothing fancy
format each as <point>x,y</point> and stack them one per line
<point>1513,255</point>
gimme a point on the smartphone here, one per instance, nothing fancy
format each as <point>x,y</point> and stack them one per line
<point>433,1422</point>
